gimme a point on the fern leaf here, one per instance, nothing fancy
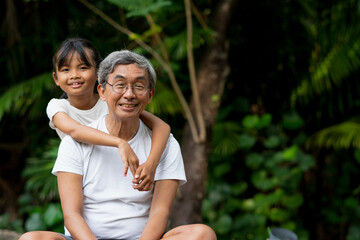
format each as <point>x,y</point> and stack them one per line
<point>20,97</point>
<point>340,136</point>
<point>226,138</point>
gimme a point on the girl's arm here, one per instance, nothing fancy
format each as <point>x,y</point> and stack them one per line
<point>144,176</point>
<point>163,198</point>
<point>85,134</point>
<point>70,190</point>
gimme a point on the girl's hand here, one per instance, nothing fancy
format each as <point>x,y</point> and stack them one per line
<point>144,177</point>
<point>128,157</point>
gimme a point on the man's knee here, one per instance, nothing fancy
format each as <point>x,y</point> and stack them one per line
<point>28,236</point>
<point>41,235</point>
<point>202,231</point>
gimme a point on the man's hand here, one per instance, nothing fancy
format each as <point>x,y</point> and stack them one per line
<point>128,157</point>
<point>144,177</point>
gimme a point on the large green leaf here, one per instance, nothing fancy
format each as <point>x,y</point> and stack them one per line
<point>336,53</point>
<point>20,97</point>
<point>226,138</point>
<point>342,135</point>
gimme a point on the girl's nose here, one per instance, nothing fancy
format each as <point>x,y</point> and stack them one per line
<point>74,74</point>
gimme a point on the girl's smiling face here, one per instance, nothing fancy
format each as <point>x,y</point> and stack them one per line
<point>75,77</point>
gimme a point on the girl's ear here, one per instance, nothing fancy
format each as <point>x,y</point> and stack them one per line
<point>55,78</point>
<point>101,91</point>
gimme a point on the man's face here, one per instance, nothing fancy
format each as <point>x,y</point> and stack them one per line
<point>131,102</point>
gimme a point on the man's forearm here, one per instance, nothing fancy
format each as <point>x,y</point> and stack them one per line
<point>78,228</point>
<point>155,226</point>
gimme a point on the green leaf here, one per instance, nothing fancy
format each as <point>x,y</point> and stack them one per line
<point>292,202</point>
<point>264,121</point>
<point>272,142</point>
<point>254,160</point>
<point>246,141</point>
<point>20,97</point>
<point>278,214</point>
<point>357,155</point>
<point>140,7</point>
<point>224,224</point>
<point>35,223</point>
<point>291,152</point>
<point>354,232</point>
<point>226,138</point>
<point>250,121</point>
<point>340,136</point>
<point>222,169</point>
<point>273,159</point>
<point>261,180</point>
<point>250,220</point>
<point>238,188</point>
<point>248,204</point>
<point>53,215</point>
<point>292,121</point>
<point>306,161</point>
<point>351,203</point>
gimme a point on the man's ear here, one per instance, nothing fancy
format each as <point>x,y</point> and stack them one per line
<point>101,91</point>
<point>55,78</point>
<point>152,92</point>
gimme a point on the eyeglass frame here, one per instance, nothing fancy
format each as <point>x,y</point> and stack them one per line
<point>127,88</point>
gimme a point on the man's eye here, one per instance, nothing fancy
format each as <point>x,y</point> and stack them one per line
<point>120,85</point>
<point>139,87</point>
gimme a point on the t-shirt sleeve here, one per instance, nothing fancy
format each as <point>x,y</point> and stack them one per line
<point>171,165</point>
<point>70,158</point>
<point>53,107</point>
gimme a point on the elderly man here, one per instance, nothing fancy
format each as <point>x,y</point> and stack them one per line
<point>98,202</point>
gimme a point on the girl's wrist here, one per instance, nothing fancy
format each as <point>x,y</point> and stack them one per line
<point>120,142</point>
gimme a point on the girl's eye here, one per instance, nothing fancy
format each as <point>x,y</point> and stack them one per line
<point>84,67</point>
<point>64,69</point>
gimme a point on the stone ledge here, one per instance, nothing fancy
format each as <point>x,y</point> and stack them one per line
<point>9,235</point>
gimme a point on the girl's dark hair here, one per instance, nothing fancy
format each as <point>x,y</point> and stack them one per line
<point>75,45</point>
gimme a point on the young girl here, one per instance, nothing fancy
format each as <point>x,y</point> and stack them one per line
<point>75,67</point>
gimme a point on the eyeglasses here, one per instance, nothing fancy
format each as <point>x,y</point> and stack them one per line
<point>120,88</point>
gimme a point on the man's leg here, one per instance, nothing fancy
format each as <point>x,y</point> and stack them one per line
<point>190,232</point>
<point>41,235</point>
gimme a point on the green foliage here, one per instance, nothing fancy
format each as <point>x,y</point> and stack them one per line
<point>38,172</point>
<point>340,136</point>
<point>263,171</point>
<point>164,101</point>
<point>45,217</point>
<point>336,52</point>
<point>40,201</point>
<point>22,97</point>
<point>7,223</point>
<point>140,7</point>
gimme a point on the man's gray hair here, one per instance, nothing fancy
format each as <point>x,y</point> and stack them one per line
<point>125,57</point>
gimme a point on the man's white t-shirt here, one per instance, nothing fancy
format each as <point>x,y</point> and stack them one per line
<point>84,117</point>
<point>112,208</point>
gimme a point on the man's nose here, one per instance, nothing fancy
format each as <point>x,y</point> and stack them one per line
<point>129,92</point>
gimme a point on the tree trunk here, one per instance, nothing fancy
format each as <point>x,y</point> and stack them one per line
<point>212,73</point>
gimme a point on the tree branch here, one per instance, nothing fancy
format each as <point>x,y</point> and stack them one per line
<point>194,85</point>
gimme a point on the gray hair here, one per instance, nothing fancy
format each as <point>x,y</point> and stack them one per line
<point>125,57</point>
